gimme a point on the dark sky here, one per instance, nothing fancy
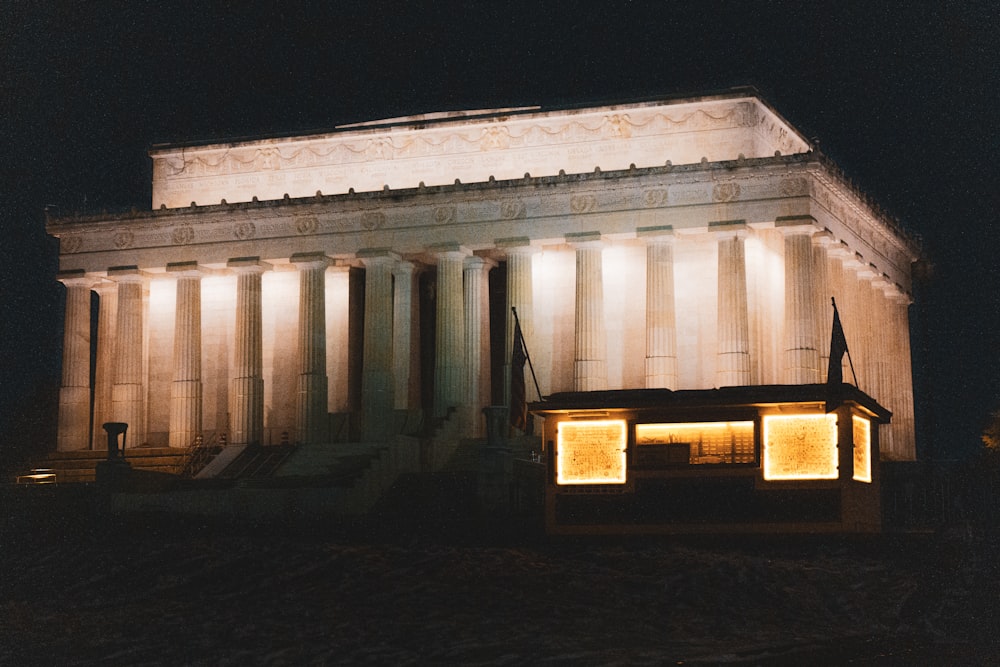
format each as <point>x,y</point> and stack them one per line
<point>902,96</point>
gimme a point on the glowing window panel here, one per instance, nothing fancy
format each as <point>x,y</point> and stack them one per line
<point>800,447</point>
<point>862,449</point>
<point>591,452</point>
<point>707,442</point>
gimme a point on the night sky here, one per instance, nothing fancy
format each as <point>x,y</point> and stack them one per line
<point>901,96</point>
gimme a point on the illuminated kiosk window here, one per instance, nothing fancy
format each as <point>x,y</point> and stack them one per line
<point>862,449</point>
<point>591,452</point>
<point>695,442</point>
<point>800,447</point>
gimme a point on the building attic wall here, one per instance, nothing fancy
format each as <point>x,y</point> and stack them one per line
<point>503,145</point>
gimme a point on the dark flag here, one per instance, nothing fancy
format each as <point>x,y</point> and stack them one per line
<point>835,371</point>
<point>518,397</point>
<point>838,348</point>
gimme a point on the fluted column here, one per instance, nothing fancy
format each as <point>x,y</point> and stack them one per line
<point>247,395</point>
<point>801,336</point>
<point>823,309</point>
<point>520,262</point>
<point>104,371</point>
<point>591,348</point>
<point>449,363</point>
<point>128,390</point>
<point>661,322</point>
<point>902,412</point>
<point>311,391</point>
<point>405,319</point>
<point>186,389</point>
<point>74,392</point>
<point>733,367</point>
<point>377,388</point>
<point>477,336</point>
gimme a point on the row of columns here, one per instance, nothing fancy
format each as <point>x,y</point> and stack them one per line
<point>461,359</point>
<point>462,347</point>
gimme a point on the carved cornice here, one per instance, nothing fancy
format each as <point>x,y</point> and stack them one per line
<point>531,210</point>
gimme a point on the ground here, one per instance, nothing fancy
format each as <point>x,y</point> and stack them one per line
<point>80,589</point>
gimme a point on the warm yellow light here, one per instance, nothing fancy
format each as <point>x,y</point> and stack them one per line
<point>800,447</point>
<point>591,452</point>
<point>862,449</point>
<point>708,442</point>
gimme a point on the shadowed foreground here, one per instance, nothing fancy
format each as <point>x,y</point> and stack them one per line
<point>80,590</point>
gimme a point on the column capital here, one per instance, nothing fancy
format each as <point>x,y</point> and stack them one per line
<point>187,269</point>
<point>377,256</point>
<point>517,245</point>
<point>127,274</point>
<point>77,278</point>
<point>656,234</point>
<point>475,261</point>
<point>729,229</point>
<point>248,265</point>
<point>585,239</point>
<point>791,225</point>
<point>454,250</point>
<point>310,260</point>
<point>404,268</point>
<point>824,237</point>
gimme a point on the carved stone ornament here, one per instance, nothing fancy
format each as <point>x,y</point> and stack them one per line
<point>793,187</point>
<point>372,220</point>
<point>70,244</point>
<point>723,192</point>
<point>124,239</point>
<point>495,137</point>
<point>183,234</point>
<point>511,209</point>
<point>244,231</point>
<point>306,224</point>
<point>655,197</point>
<point>582,203</point>
<point>444,214</point>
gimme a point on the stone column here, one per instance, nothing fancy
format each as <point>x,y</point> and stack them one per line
<point>74,392</point>
<point>520,261</point>
<point>734,327</point>
<point>823,314</point>
<point>129,388</point>
<point>311,392</point>
<point>405,354</point>
<point>377,387</point>
<point>449,363</point>
<point>801,336</point>
<point>104,372</point>
<point>186,389</point>
<point>477,336</point>
<point>591,349</point>
<point>661,323</point>
<point>247,395</point>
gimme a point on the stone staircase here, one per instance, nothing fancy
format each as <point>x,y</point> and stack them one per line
<point>80,466</point>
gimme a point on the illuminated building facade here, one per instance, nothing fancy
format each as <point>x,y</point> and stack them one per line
<point>355,286</point>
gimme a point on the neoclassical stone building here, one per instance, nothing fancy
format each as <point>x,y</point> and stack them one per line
<point>353,285</point>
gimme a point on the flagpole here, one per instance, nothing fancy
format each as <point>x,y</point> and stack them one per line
<point>524,346</point>
<point>847,348</point>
